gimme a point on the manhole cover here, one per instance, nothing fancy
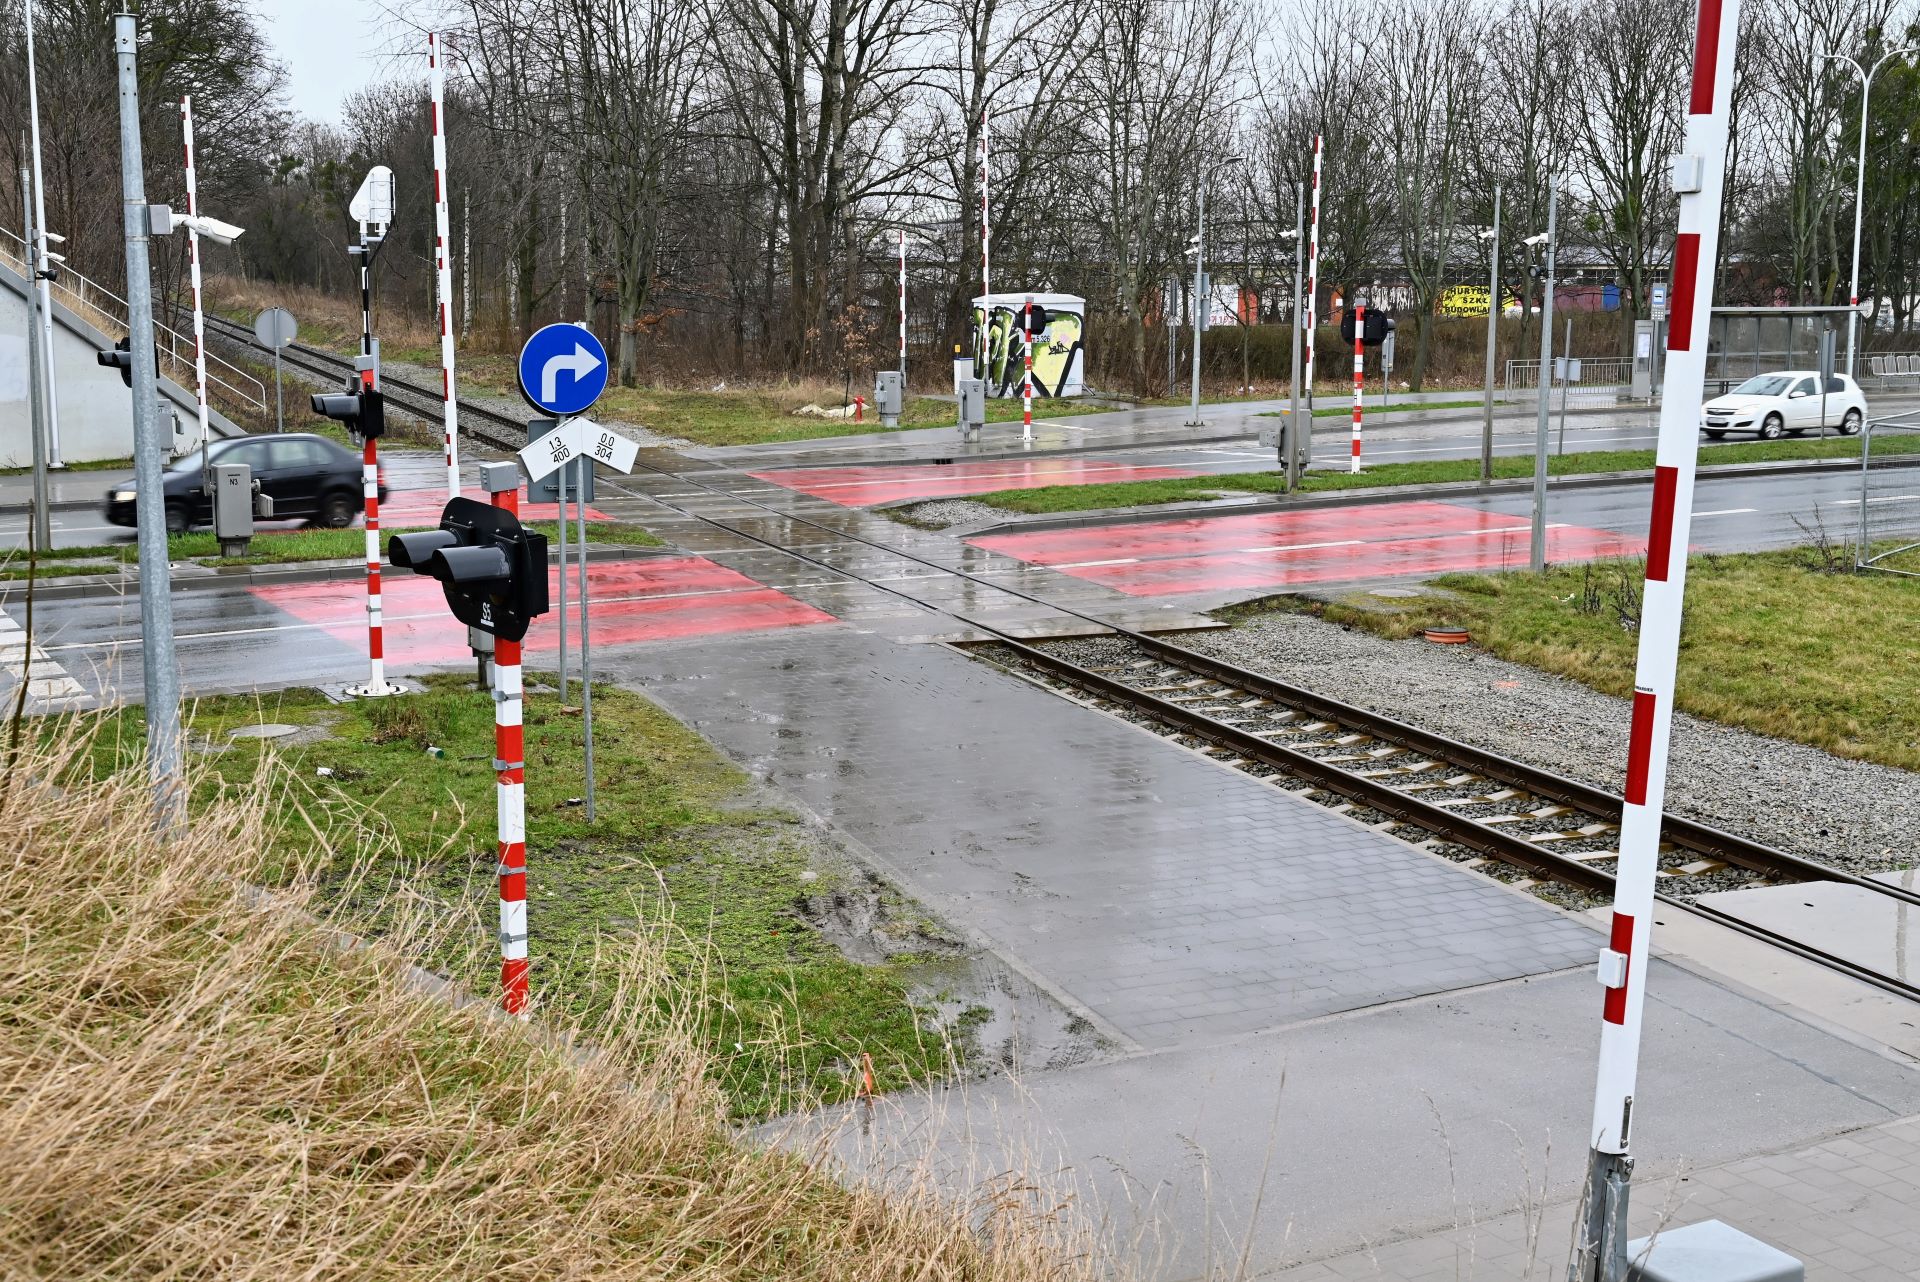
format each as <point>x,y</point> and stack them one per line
<point>1394,593</point>
<point>265,730</point>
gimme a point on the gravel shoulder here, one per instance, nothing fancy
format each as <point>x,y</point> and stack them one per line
<point>1857,815</point>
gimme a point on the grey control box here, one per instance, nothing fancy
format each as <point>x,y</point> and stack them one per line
<point>889,396</point>
<point>232,506</point>
<point>973,407</point>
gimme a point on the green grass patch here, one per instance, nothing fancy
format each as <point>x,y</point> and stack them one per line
<point>83,465</point>
<point>676,849</point>
<point>1117,494</point>
<point>15,570</point>
<point>1789,644</point>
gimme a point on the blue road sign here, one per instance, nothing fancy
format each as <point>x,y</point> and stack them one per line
<point>563,370</point>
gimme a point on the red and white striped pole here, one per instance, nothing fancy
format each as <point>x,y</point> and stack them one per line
<point>502,480</point>
<point>376,685</point>
<point>1359,376</point>
<point>193,277</point>
<point>986,218</point>
<point>1026,387</point>
<point>442,263</point>
<point>1600,1246</point>
<point>1313,276</point>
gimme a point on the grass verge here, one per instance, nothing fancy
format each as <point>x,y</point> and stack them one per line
<point>1789,644</point>
<point>191,1071</point>
<point>679,856</point>
<point>1117,494</point>
<point>284,547</point>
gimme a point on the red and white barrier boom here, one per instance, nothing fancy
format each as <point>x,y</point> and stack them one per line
<point>1600,1247</point>
<point>1026,388</point>
<point>443,266</point>
<point>193,278</point>
<point>1313,281</point>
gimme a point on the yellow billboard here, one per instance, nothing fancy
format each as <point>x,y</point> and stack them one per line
<point>1470,300</point>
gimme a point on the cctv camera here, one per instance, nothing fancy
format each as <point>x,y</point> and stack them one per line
<point>1540,239</point>
<point>216,231</point>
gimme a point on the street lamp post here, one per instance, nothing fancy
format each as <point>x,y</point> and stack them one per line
<point>1537,557</point>
<point>1493,322</point>
<point>1860,185</point>
<point>1199,283</point>
<point>43,262</point>
<point>160,670</point>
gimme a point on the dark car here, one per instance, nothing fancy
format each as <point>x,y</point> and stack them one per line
<point>309,478</point>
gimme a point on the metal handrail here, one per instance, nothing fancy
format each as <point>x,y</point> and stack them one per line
<point>235,382</point>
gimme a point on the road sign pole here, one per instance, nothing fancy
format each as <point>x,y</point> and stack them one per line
<point>442,263</point>
<point>586,650</point>
<point>1493,335</point>
<point>279,401</point>
<point>566,471</point>
<point>160,672</point>
<point>510,782</point>
<point>1359,378</point>
<point>1600,1245</point>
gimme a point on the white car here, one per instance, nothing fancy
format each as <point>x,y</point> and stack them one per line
<point>1789,402</point>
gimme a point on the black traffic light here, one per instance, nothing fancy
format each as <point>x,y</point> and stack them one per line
<point>1038,321</point>
<point>493,571</point>
<point>1378,326</point>
<point>121,358</point>
<point>361,410</point>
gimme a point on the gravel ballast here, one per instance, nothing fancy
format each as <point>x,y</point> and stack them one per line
<point>941,514</point>
<point>1859,816</point>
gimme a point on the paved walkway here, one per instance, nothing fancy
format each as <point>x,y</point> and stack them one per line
<point>1321,1037</point>
<point>1844,1207</point>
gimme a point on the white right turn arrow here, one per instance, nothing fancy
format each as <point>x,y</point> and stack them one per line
<point>580,364</point>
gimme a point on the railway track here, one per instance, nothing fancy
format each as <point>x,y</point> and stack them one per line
<point>417,399</point>
<point>1477,807</point>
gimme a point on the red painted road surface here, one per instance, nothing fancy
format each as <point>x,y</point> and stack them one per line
<point>404,509</point>
<point>655,599</point>
<point>1282,549</point>
<point>866,486</point>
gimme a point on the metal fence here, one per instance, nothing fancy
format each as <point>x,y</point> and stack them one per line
<point>1602,380</point>
<point>107,311</point>
<point>1889,500</point>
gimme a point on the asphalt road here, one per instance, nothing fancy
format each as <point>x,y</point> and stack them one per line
<point>237,639</point>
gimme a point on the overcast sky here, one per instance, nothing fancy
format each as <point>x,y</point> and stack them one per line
<point>330,48</point>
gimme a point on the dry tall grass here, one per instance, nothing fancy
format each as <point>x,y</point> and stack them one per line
<point>198,1080</point>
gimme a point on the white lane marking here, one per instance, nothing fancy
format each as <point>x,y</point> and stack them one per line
<point>1885,498</point>
<point>1083,470</point>
<point>1293,547</point>
<point>391,618</point>
<point>46,680</point>
<point>1729,511</point>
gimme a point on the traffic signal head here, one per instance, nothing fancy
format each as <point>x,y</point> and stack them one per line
<point>1376,327</point>
<point>415,551</point>
<point>493,571</point>
<point>1038,319</point>
<point>121,358</point>
<point>361,410</point>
